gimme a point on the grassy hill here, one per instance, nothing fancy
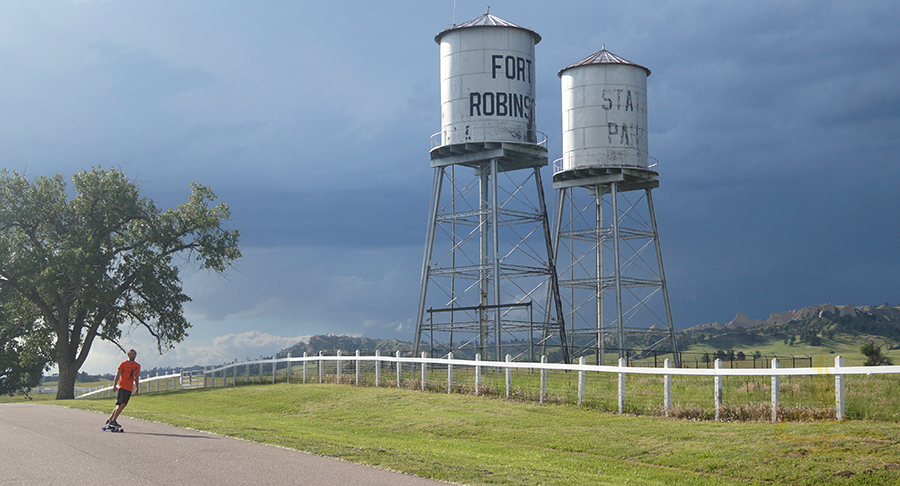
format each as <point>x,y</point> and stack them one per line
<point>816,331</point>
<point>331,343</point>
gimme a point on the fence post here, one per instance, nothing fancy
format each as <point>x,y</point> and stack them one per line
<point>357,367</point>
<point>248,374</point>
<point>304,366</point>
<point>543,379</point>
<point>477,373</point>
<point>288,379</point>
<point>399,368</point>
<point>338,367</point>
<point>449,372</point>
<point>581,379</point>
<point>424,371</point>
<point>377,368</point>
<point>274,367</point>
<point>667,388</point>
<point>508,376</point>
<point>621,387</point>
<point>321,363</point>
<point>157,381</point>
<point>776,391</point>
<point>719,388</point>
<point>839,399</point>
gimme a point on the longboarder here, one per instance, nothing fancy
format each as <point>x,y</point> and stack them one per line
<point>127,380</point>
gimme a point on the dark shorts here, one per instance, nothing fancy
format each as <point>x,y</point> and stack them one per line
<point>122,396</point>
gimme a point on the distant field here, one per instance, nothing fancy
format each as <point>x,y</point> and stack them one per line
<point>481,441</point>
<point>842,345</point>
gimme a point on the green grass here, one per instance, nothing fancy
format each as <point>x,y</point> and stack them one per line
<point>844,345</point>
<point>478,440</point>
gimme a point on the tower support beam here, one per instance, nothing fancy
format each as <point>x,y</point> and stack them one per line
<point>492,288</point>
<point>606,232</point>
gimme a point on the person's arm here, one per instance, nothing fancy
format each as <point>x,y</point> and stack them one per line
<point>116,380</point>
<point>137,383</point>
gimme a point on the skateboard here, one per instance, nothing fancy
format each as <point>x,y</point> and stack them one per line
<point>112,428</point>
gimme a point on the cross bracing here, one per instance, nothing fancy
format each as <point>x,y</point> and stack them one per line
<point>609,263</point>
<point>488,267</point>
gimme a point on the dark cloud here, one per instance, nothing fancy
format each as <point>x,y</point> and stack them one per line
<point>776,126</point>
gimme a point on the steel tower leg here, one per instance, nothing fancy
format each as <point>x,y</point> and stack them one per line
<point>662,277</point>
<point>601,338</point>
<point>495,249</point>
<point>618,270</point>
<point>484,256</point>
<point>436,185</point>
<point>551,259</point>
<point>557,225</point>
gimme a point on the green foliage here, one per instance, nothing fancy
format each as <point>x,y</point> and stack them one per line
<point>87,267</point>
<point>24,352</point>
<point>874,353</point>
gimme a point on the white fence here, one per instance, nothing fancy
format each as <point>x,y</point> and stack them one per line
<point>427,366</point>
<point>153,383</point>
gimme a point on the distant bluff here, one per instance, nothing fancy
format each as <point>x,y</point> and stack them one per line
<point>741,321</point>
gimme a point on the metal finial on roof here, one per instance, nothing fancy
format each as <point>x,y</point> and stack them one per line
<point>604,57</point>
<point>487,20</point>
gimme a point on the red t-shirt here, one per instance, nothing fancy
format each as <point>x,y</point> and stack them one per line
<point>129,372</point>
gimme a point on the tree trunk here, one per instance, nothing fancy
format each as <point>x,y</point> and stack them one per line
<point>68,371</point>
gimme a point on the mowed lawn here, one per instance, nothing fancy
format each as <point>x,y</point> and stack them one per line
<point>476,440</point>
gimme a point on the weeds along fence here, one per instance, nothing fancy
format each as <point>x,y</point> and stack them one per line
<point>719,393</point>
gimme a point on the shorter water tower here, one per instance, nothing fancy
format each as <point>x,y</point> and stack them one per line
<point>610,267</point>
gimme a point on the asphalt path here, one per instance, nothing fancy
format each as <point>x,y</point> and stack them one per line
<point>46,444</point>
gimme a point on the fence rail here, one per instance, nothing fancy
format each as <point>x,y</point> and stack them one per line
<point>145,385</point>
<point>482,377</point>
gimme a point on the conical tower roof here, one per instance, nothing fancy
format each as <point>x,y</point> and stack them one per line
<point>603,57</point>
<point>487,20</point>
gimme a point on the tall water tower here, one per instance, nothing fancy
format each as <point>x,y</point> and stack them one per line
<point>611,273</point>
<point>488,282</point>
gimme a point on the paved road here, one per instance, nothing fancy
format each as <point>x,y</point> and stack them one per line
<point>45,444</point>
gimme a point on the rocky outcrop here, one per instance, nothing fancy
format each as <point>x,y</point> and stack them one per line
<point>741,321</point>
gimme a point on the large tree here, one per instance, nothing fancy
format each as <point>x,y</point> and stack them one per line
<point>102,261</point>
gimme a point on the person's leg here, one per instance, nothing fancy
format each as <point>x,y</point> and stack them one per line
<point>116,412</point>
<point>121,401</point>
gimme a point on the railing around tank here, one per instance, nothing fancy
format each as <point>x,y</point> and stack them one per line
<point>558,165</point>
<point>532,136</point>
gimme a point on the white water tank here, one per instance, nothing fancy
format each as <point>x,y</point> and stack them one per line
<point>604,113</point>
<point>487,82</point>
